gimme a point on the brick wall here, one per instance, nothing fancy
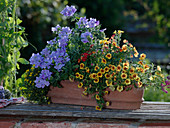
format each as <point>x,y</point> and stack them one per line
<point>79,123</point>
<point>151,115</point>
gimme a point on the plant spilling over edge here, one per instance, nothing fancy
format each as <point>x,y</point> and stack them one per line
<point>84,54</point>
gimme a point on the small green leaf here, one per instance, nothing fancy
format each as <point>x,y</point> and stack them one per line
<point>19,21</point>
<point>17,66</point>
<point>23,61</point>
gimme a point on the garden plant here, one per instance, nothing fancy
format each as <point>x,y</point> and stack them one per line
<point>84,54</point>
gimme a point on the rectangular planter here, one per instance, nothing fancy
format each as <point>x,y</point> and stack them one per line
<point>71,94</point>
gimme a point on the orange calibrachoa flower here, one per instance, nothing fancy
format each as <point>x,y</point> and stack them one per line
<point>146,66</point>
<point>123,75</point>
<point>125,41</point>
<point>77,75</point>
<point>136,52</point>
<point>113,67</point>
<point>138,68</point>
<point>114,43</point>
<point>125,68</point>
<point>126,64</point>
<point>107,76</point>
<point>96,80</point>
<point>102,71</point>
<point>142,70</point>
<point>99,74</point>
<point>79,60</point>
<point>132,70</point>
<point>97,97</point>
<point>142,56</point>
<point>124,47</point>
<point>130,45</point>
<point>119,88</point>
<point>159,68</point>
<point>81,76</point>
<point>110,66</point>
<point>106,92</point>
<point>137,78</point>
<point>104,61</point>
<point>119,68</point>
<point>87,69</point>
<point>108,82</point>
<point>139,84</point>
<point>134,75</point>
<point>96,68</point>
<point>106,69</point>
<point>140,62</point>
<point>131,77</point>
<point>107,103</point>
<point>120,50</point>
<point>113,73</point>
<point>115,78</point>
<point>127,81</point>
<point>98,108</point>
<point>71,79</point>
<point>94,76</point>
<point>80,85</point>
<point>120,32</point>
<point>81,66</point>
<point>109,56</point>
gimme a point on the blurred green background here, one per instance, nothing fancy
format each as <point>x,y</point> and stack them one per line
<point>146,24</point>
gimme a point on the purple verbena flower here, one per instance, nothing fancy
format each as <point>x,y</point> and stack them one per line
<point>45,74</point>
<point>82,22</point>
<point>92,23</point>
<point>46,63</point>
<point>53,41</point>
<point>45,52</point>
<point>68,11</point>
<point>58,66</point>
<point>36,59</point>
<point>41,83</point>
<point>103,30</point>
<point>85,36</point>
<point>55,29</point>
<point>64,32</point>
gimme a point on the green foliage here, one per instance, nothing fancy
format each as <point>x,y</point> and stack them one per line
<point>152,94</point>
<point>28,88</point>
<point>11,42</point>
<point>153,15</point>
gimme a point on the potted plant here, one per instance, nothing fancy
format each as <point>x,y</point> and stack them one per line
<point>83,63</point>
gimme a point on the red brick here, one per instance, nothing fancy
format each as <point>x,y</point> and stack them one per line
<point>5,124</point>
<point>45,125</point>
<point>8,123</point>
<point>158,125</point>
<point>100,125</point>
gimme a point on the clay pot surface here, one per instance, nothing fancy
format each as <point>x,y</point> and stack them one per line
<point>71,94</point>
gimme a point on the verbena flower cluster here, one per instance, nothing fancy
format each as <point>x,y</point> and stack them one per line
<point>84,54</point>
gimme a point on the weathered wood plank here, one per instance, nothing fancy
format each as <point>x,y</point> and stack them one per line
<point>148,111</point>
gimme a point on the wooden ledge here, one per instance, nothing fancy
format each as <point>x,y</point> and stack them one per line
<point>158,111</point>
